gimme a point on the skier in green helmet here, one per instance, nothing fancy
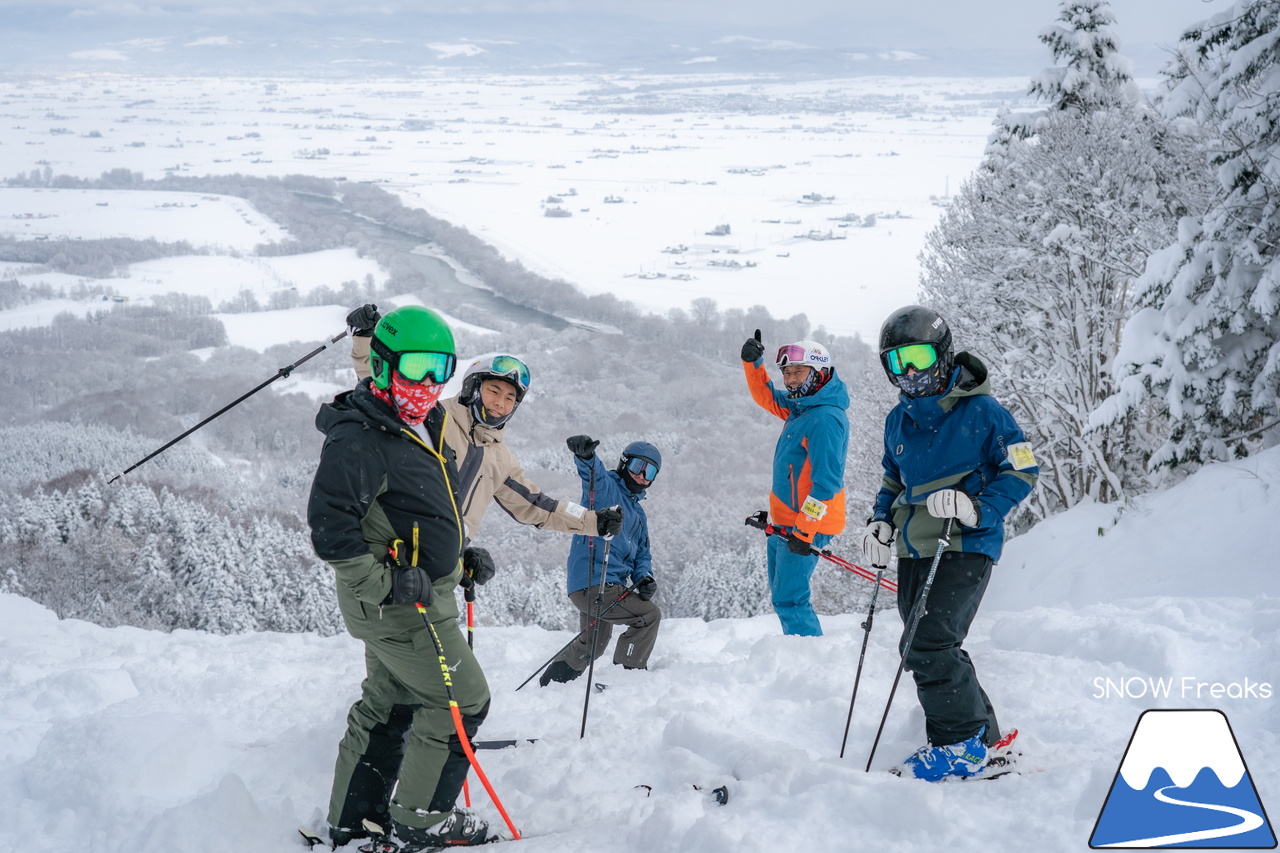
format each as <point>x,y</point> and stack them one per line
<point>493,388</point>
<point>383,513</point>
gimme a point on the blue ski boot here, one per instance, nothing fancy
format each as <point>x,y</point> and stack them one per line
<point>935,763</point>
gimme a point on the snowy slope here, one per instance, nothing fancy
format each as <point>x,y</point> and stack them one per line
<point>127,740</point>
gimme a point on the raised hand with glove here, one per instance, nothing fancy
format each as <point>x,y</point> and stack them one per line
<point>478,564</point>
<point>362,320</point>
<point>953,503</point>
<point>583,446</point>
<point>877,543</point>
<point>609,521</point>
<point>646,588</point>
<point>753,349</point>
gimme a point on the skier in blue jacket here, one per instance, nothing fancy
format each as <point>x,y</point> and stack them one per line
<point>629,562</point>
<point>951,451</point>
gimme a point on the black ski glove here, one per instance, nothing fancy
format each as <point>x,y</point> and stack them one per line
<point>609,521</point>
<point>583,446</point>
<point>409,584</point>
<point>646,588</point>
<point>753,350</point>
<point>363,319</point>
<point>478,565</point>
<point>798,545</point>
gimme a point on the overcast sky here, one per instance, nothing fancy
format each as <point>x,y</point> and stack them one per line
<point>976,24</point>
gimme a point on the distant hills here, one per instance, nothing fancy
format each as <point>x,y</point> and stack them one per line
<point>39,39</point>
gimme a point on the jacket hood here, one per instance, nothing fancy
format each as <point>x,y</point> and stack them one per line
<point>833,393</point>
<point>968,378</point>
<point>359,405</point>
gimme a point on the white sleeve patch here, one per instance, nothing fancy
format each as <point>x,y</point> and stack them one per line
<point>1021,457</point>
<point>575,510</point>
<point>813,508</point>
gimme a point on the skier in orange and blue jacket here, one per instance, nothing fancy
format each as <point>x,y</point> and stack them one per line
<point>807,497</point>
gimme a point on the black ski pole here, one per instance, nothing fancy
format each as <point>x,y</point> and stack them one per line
<point>591,625</point>
<point>595,635</point>
<point>862,656</point>
<point>917,612</point>
<point>280,374</point>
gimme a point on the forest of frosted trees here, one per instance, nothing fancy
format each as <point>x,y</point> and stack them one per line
<point>1113,261</point>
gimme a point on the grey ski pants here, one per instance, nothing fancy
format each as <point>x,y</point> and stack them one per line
<point>635,644</point>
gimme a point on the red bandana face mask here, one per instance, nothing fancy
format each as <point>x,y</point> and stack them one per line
<point>412,401</point>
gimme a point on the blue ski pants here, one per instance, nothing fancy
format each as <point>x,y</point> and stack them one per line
<point>789,586</point>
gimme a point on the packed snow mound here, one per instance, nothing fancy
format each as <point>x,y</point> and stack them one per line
<point>1203,538</point>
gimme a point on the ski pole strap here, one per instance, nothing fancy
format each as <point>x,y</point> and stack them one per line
<point>760,521</point>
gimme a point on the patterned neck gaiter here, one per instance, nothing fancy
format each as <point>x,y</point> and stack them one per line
<point>411,401</point>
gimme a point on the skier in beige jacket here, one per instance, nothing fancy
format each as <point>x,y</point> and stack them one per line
<point>492,389</point>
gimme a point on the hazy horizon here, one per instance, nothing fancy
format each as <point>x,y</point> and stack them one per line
<point>659,36</point>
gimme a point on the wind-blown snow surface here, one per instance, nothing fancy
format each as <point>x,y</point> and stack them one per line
<point>128,740</point>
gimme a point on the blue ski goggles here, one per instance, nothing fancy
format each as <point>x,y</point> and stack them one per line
<point>510,368</point>
<point>641,467</point>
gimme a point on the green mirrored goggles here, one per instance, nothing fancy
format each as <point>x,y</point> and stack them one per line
<point>920,356</point>
<point>431,367</point>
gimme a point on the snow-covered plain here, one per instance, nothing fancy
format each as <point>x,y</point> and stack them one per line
<point>128,740</point>
<point>780,162</point>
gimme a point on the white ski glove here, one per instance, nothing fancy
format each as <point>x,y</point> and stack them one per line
<point>877,543</point>
<point>950,503</point>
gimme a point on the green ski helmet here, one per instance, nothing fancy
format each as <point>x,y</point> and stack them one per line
<point>414,341</point>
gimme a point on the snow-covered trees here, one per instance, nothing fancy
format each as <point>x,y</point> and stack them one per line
<point>123,554</point>
<point>1093,75</point>
<point>1207,342</point>
<point>1034,263</point>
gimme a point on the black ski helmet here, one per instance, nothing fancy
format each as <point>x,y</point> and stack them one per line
<point>916,324</point>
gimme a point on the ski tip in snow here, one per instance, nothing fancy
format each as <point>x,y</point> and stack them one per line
<point>507,743</point>
<point>720,794</point>
<point>312,837</point>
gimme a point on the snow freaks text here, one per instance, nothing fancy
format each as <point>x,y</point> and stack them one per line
<point>1186,687</point>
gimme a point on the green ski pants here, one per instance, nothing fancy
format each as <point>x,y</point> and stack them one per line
<point>380,772</point>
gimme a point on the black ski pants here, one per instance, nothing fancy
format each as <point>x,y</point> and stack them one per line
<point>955,706</point>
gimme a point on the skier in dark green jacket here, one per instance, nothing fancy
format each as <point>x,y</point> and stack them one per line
<point>383,512</point>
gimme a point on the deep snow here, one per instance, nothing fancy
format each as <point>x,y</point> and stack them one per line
<point>129,740</point>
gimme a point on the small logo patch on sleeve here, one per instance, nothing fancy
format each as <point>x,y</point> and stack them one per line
<point>575,510</point>
<point>1021,457</point>
<point>813,508</point>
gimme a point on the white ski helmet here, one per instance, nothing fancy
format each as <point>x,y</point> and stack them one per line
<point>810,354</point>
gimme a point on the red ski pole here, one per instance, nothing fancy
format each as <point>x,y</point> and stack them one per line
<point>761,521</point>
